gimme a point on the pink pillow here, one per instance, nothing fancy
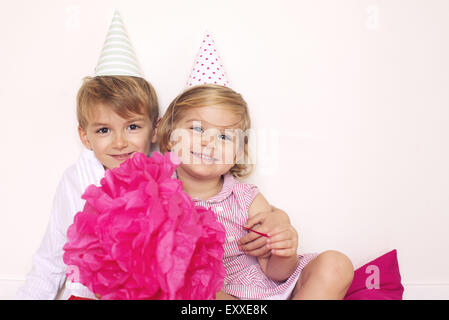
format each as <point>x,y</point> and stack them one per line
<point>377,280</point>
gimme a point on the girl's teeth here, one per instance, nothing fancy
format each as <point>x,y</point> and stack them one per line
<point>203,156</point>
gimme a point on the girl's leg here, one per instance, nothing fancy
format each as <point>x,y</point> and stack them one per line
<point>328,276</point>
<point>221,295</point>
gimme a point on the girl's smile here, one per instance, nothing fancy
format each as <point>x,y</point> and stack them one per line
<point>206,158</point>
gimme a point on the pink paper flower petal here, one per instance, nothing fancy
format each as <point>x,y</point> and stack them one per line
<point>140,236</point>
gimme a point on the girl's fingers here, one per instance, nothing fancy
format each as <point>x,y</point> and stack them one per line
<point>279,237</point>
<point>283,252</point>
<point>253,245</point>
<point>280,229</point>
<point>256,247</point>
<point>262,251</point>
<point>251,236</point>
<point>286,244</point>
<point>286,235</point>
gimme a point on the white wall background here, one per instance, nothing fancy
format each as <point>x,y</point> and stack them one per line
<point>350,99</point>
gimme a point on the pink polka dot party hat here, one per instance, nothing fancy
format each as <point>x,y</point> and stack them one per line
<point>208,68</point>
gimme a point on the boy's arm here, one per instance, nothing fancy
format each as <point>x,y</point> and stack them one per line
<point>283,259</point>
<point>48,270</point>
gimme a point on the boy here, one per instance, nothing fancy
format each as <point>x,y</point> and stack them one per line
<point>117,113</point>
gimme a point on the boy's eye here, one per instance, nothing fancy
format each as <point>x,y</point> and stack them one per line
<point>134,127</point>
<point>103,130</point>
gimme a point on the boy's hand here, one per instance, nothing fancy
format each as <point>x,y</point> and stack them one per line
<point>283,241</point>
<point>265,222</point>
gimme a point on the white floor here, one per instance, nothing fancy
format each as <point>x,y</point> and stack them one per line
<point>8,288</point>
<point>426,292</point>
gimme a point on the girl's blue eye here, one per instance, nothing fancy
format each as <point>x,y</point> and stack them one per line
<point>103,130</point>
<point>197,129</point>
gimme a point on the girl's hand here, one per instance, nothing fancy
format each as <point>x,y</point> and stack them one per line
<point>254,244</point>
<point>283,241</point>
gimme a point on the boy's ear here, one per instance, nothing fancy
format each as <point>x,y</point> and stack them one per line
<point>83,137</point>
<point>156,126</point>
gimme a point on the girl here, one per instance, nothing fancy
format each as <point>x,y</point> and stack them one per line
<point>207,126</point>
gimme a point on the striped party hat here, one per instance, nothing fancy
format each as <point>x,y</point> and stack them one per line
<point>207,68</point>
<point>117,57</point>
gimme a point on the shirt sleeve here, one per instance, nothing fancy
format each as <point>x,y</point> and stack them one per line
<point>47,275</point>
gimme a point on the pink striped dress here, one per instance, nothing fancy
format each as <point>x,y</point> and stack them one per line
<point>244,277</point>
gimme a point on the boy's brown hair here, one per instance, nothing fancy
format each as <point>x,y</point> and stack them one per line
<point>125,95</point>
<point>207,95</point>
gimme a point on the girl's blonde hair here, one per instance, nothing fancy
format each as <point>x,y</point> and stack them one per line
<point>202,96</point>
<point>125,95</point>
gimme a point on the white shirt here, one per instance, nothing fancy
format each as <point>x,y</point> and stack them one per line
<point>48,273</point>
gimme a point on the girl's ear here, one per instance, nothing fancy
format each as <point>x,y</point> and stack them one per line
<point>83,137</point>
<point>239,157</point>
<point>241,146</point>
<point>156,126</point>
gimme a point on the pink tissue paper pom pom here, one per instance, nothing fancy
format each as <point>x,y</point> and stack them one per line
<point>140,236</point>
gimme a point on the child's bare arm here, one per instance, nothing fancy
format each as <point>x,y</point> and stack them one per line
<point>283,242</point>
